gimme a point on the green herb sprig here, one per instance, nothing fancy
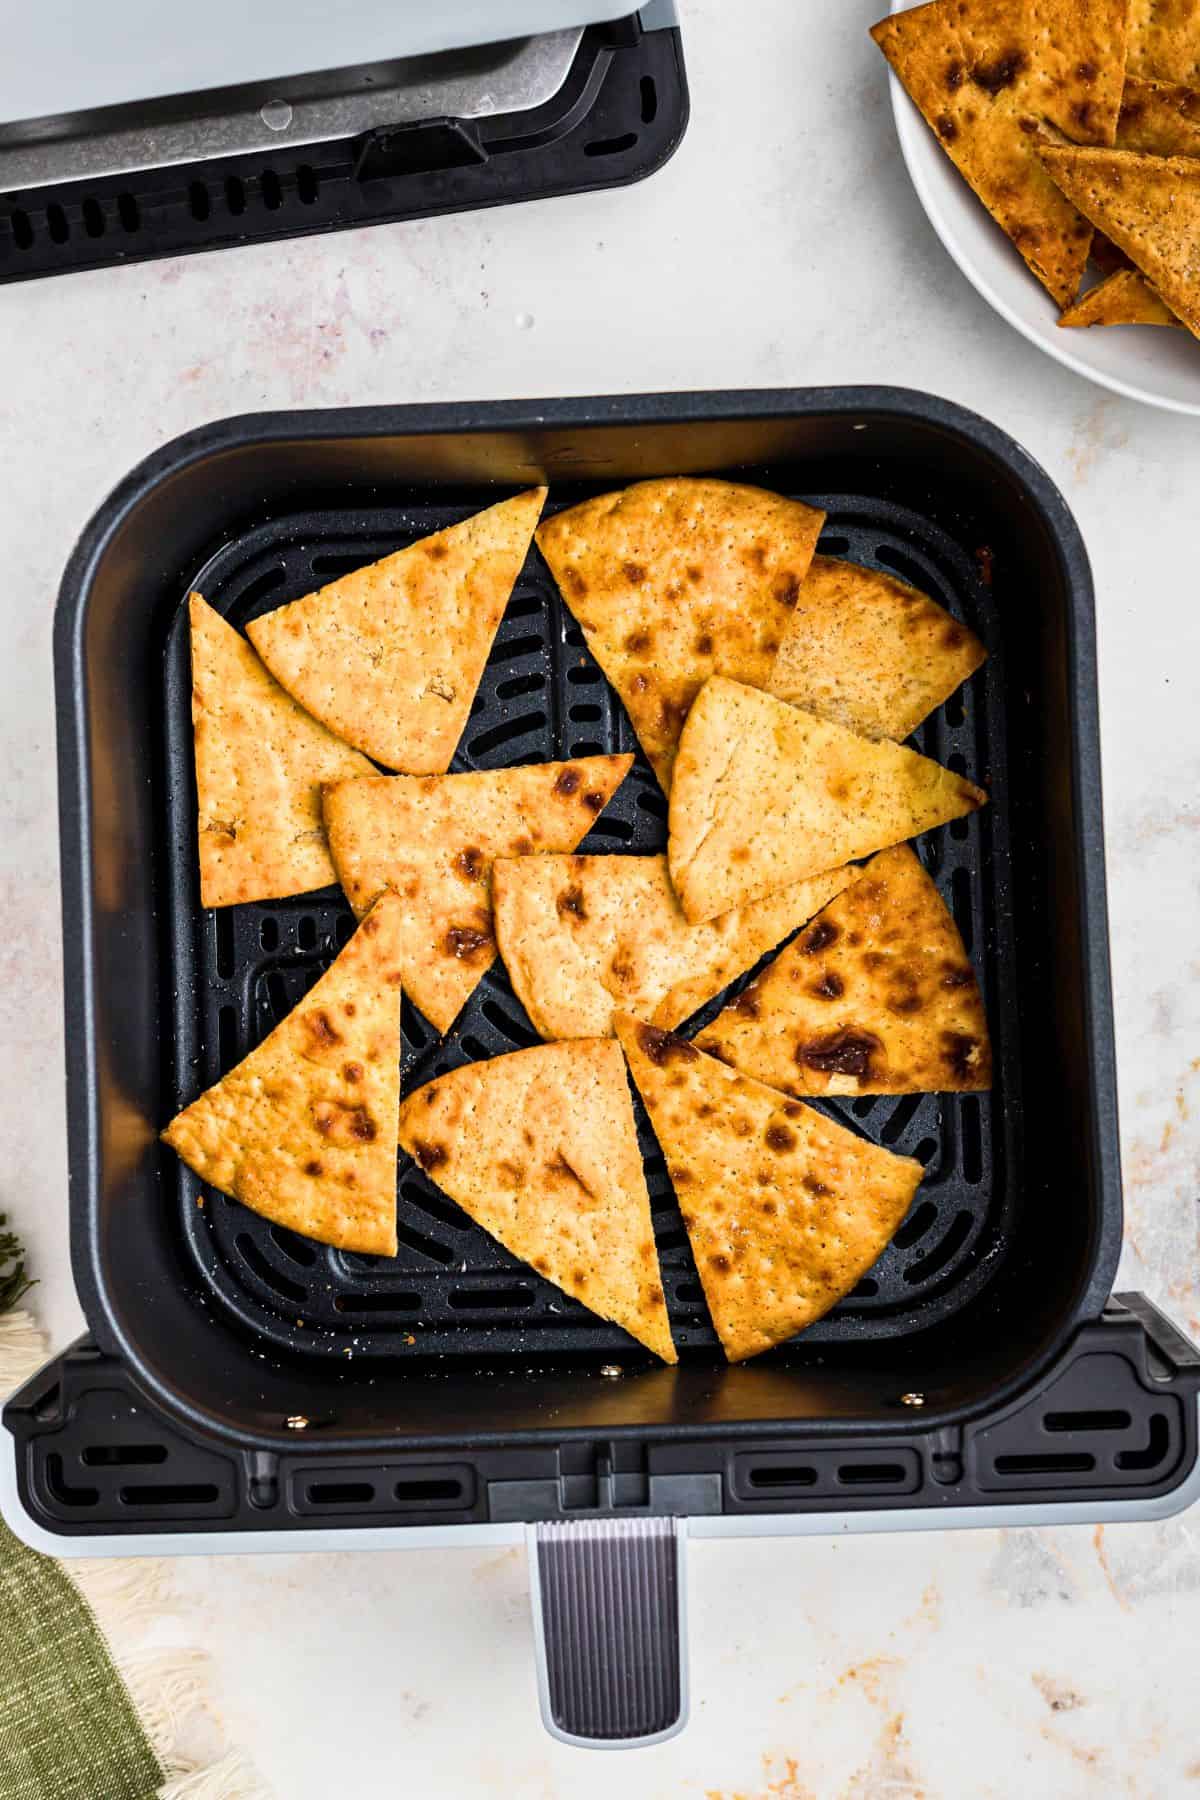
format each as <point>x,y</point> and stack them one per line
<point>13,1280</point>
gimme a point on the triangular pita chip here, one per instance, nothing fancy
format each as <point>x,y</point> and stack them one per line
<point>876,996</point>
<point>584,936</point>
<point>870,652</point>
<point>1149,206</point>
<point>766,794</point>
<point>390,656</point>
<point>987,75</point>
<point>303,1130</point>
<point>260,763</point>
<point>1160,117</point>
<point>433,839</point>
<point>786,1211</point>
<point>1164,40</point>
<point>675,580</point>
<point>540,1148</point>
<point>1125,298</point>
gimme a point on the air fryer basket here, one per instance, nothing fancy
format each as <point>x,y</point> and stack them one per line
<point>231,1327</point>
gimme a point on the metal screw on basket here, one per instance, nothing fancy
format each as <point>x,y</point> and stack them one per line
<point>611,1371</point>
<point>912,1399</point>
<point>297,1422</point>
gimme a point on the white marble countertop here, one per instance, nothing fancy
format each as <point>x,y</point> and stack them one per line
<point>783,245</point>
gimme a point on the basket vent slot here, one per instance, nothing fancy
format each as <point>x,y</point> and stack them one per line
<point>871,1474</point>
<point>1087,1421</point>
<point>111,1456</point>
<point>783,1475</point>
<point>1156,1449</point>
<point>182,1493</point>
<point>267,1273</point>
<point>1062,1463</point>
<point>613,146</point>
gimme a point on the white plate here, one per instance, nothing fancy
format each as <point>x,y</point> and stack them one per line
<point>1149,363</point>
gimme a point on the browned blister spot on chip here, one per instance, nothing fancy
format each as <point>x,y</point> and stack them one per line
<point>466,943</point>
<point>322,1031</point>
<point>663,1047</point>
<point>844,1052</point>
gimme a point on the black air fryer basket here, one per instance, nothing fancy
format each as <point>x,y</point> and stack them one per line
<point>241,1380</point>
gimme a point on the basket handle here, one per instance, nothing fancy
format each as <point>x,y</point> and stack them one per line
<point>609,1625</point>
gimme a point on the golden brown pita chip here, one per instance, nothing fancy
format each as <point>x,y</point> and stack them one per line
<point>433,839</point>
<point>1160,118</point>
<point>1149,206</point>
<point>260,762</point>
<point>303,1130</point>
<point>1164,40</point>
<point>786,1211</point>
<point>584,936</point>
<point>1121,299</point>
<point>988,75</point>
<point>876,996</point>
<point>390,656</point>
<point>540,1148</point>
<point>675,580</point>
<point>765,795</point>
<point>870,652</point>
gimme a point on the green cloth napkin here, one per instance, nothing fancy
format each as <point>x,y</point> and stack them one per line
<point>68,1729</point>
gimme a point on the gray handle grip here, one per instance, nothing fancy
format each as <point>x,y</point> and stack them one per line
<point>609,1621</point>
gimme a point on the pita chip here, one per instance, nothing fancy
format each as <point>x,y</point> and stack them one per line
<point>987,75</point>
<point>1162,119</point>
<point>1149,206</point>
<point>390,656</point>
<point>673,581</point>
<point>1164,40</point>
<point>582,936</point>
<point>765,795</point>
<point>1124,298</point>
<point>260,763</point>
<point>433,840</point>
<point>303,1130</point>
<point>876,996</point>
<point>540,1148</point>
<point>786,1210</point>
<point>870,652</point>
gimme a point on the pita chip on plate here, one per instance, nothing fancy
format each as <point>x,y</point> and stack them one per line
<point>260,763</point>
<point>540,1148</point>
<point>765,795</point>
<point>988,77</point>
<point>673,581</point>
<point>786,1210</point>
<point>390,656</point>
<point>303,1130</point>
<point>870,652</point>
<point>1162,119</point>
<point>433,839</point>
<point>1123,298</point>
<point>1164,40</point>
<point>584,936</point>
<point>876,996</point>
<point>1149,206</point>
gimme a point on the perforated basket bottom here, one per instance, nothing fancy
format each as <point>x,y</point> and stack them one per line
<point>451,1289</point>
